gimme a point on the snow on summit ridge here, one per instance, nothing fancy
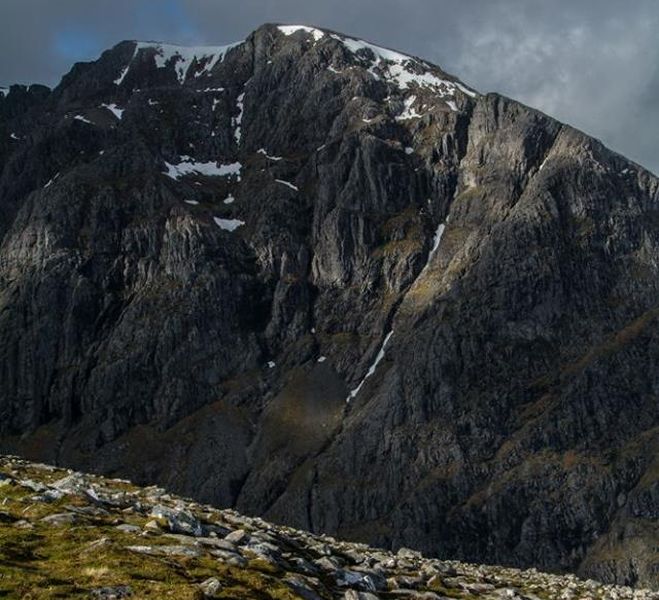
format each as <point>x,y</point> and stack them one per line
<point>291,29</point>
<point>392,66</point>
<point>205,57</point>
<point>403,70</point>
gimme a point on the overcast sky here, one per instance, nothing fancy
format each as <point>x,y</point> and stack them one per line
<point>591,63</point>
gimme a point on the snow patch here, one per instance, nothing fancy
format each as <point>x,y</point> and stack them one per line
<point>409,150</point>
<point>124,71</point>
<point>183,57</point>
<point>271,364</point>
<point>50,181</point>
<point>321,359</point>
<point>188,165</point>
<point>230,169</point>
<point>291,29</point>
<point>437,238</point>
<point>83,119</point>
<point>355,46</point>
<point>287,183</point>
<point>228,224</point>
<point>115,110</point>
<point>193,202</point>
<point>464,89</point>
<point>263,151</point>
<point>229,200</point>
<point>237,121</point>
<point>371,369</point>
<point>3,91</point>
<point>409,112</point>
<point>13,136</point>
<point>401,69</point>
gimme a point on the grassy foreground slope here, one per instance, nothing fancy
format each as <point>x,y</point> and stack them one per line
<point>70,535</point>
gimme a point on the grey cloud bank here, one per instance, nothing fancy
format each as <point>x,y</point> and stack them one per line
<point>593,64</point>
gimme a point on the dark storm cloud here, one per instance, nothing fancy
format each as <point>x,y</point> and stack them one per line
<point>592,63</point>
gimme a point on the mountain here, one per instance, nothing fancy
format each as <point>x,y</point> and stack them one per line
<point>68,534</point>
<point>328,284</point>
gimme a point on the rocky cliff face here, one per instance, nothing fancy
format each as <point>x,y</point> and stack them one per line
<point>329,284</point>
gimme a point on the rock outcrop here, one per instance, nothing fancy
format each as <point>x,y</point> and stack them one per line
<point>328,284</point>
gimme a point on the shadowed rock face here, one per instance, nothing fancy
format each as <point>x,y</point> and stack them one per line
<point>184,239</point>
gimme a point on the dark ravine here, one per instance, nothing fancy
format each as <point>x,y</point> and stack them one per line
<point>168,317</point>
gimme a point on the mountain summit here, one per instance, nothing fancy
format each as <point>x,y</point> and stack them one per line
<point>329,284</point>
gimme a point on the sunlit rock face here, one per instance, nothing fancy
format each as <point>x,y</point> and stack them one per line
<point>327,283</point>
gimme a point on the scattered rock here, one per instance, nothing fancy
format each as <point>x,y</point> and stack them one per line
<point>92,511</point>
<point>112,592</point>
<point>301,565</point>
<point>409,554</point>
<point>152,526</point>
<point>66,518</point>
<point>361,581</point>
<point>178,521</point>
<point>188,551</point>
<point>355,595</point>
<point>127,528</point>
<point>230,558</point>
<point>211,586</point>
<point>217,543</point>
<point>302,588</point>
<point>76,483</point>
<point>239,536</point>
<point>328,563</point>
<point>97,545</point>
<point>32,485</point>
